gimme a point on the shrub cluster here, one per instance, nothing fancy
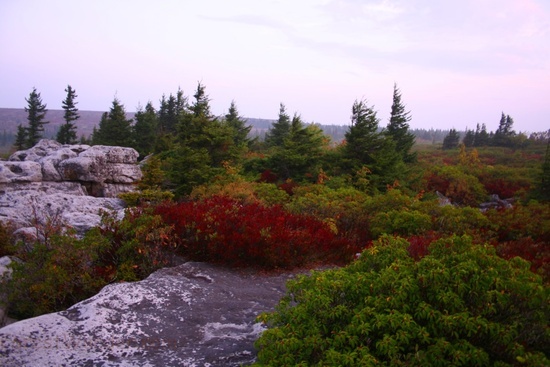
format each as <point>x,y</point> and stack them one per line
<point>224,230</point>
<point>459,305</point>
<point>55,274</point>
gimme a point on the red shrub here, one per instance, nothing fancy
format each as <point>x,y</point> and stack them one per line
<point>437,182</point>
<point>268,177</point>
<point>288,186</point>
<point>223,230</point>
<point>536,252</point>
<point>419,244</point>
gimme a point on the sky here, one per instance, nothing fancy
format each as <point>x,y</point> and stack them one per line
<point>457,63</point>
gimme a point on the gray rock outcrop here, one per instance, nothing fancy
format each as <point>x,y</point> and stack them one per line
<point>194,314</point>
<point>70,183</point>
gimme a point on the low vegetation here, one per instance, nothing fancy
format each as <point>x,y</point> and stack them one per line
<point>440,279</point>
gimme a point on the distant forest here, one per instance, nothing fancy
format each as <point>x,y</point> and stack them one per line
<point>10,118</point>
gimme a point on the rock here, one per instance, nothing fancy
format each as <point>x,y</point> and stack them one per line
<point>43,148</point>
<point>70,183</point>
<point>16,172</point>
<point>50,163</point>
<point>64,203</point>
<point>443,200</point>
<point>112,154</point>
<point>194,314</point>
<point>91,166</point>
<point>495,202</point>
<point>5,273</point>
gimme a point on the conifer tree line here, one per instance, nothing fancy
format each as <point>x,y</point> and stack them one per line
<point>28,136</point>
<point>504,136</point>
<point>194,146</point>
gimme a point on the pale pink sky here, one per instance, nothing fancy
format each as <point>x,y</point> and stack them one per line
<point>457,63</point>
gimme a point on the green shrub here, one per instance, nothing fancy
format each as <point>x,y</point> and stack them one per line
<point>6,245</point>
<point>54,276</point>
<point>148,196</point>
<point>459,186</point>
<point>400,222</point>
<point>460,305</point>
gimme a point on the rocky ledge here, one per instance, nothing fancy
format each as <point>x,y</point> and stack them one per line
<point>194,314</point>
<point>71,183</point>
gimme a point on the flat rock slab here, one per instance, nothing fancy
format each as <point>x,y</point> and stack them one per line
<point>195,314</point>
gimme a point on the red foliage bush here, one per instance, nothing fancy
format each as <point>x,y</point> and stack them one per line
<point>501,187</point>
<point>223,230</point>
<point>268,176</point>
<point>536,252</point>
<point>419,244</point>
<point>288,187</point>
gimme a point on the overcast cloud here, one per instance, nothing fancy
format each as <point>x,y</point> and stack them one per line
<point>457,63</point>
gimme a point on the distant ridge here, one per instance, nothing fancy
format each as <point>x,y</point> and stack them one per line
<point>10,118</point>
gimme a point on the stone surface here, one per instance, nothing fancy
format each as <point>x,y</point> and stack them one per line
<point>5,273</point>
<point>91,166</point>
<point>194,314</point>
<point>70,183</point>
<point>18,172</point>
<point>26,204</point>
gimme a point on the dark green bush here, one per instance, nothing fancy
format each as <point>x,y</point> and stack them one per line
<point>460,305</point>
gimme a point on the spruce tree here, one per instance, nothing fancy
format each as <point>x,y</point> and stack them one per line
<point>279,130</point>
<point>201,105</point>
<point>504,134</point>
<point>362,138</point>
<point>67,131</point>
<point>36,113</point>
<point>469,138</point>
<point>451,140</point>
<point>481,136</point>
<point>21,138</point>
<point>144,130</point>
<point>170,111</point>
<point>238,124</point>
<point>114,129</point>
<point>299,156</point>
<point>398,127</point>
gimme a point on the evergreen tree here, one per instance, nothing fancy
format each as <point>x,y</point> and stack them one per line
<point>21,138</point>
<point>114,129</point>
<point>362,138</point>
<point>144,130</point>
<point>469,138</point>
<point>279,130</point>
<point>398,127</point>
<point>201,105</point>
<point>170,111</point>
<point>504,134</point>
<point>204,144</point>
<point>67,131</point>
<point>451,140</point>
<point>192,122</point>
<point>299,156</point>
<point>238,124</point>
<point>36,111</point>
<point>481,136</point>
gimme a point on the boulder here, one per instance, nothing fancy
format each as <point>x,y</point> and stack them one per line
<point>91,166</point>
<point>63,202</point>
<point>16,172</point>
<point>68,183</point>
<point>51,162</point>
<point>5,273</point>
<point>194,314</point>
<point>43,148</point>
